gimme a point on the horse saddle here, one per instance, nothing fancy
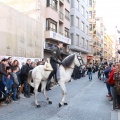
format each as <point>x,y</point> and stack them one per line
<point>47,66</point>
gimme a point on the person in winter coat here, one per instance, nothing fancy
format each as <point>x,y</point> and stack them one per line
<point>8,82</point>
<point>15,80</point>
<point>3,72</point>
<point>106,72</point>
<point>111,79</point>
<point>24,72</point>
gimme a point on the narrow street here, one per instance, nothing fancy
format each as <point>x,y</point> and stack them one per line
<point>86,101</point>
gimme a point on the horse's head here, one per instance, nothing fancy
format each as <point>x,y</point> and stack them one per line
<point>72,59</point>
<point>78,60</point>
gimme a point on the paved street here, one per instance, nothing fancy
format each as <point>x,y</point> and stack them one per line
<point>86,101</point>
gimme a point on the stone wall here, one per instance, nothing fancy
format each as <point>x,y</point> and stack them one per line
<point>20,35</point>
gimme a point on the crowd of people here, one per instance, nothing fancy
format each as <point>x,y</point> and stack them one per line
<point>13,79</point>
<point>112,80</point>
<point>84,70</point>
<point>109,73</point>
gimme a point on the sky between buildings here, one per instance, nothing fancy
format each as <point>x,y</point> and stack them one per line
<point>110,11</point>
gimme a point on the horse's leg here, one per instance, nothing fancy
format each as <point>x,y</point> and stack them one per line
<point>43,90</point>
<point>36,83</point>
<point>64,93</point>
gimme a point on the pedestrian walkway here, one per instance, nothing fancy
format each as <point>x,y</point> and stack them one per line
<point>86,101</point>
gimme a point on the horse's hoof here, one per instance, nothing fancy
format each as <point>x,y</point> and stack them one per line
<point>65,103</point>
<point>50,102</point>
<point>38,106</point>
<point>60,105</point>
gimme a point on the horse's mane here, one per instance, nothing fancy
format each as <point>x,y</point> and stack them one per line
<point>68,60</point>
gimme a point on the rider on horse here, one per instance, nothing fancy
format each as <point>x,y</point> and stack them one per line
<point>54,60</point>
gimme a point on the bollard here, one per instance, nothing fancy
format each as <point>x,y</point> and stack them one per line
<point>114,98</point>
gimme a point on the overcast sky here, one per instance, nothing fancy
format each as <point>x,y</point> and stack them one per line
<point>110,11</point>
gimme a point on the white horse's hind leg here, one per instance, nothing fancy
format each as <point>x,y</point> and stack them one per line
<point>43,90</point>
<point>37,83</point>
<point>64,93</point>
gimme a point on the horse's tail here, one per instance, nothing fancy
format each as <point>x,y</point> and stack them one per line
<point>30,78</point>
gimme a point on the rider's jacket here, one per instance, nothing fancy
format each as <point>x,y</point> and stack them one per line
<point>55,57</point>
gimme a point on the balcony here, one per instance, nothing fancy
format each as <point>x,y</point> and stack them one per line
<point>57,37</point>
<point>61,16</point>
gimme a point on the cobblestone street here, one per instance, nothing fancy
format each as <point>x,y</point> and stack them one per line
<point>86,101</point>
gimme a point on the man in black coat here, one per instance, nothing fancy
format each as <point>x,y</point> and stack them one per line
<point>10,62</point>
<point>56,55</point>
<point>24,71</point>
<point>3,72</point>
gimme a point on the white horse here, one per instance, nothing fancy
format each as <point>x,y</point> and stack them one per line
<point>39,75</point>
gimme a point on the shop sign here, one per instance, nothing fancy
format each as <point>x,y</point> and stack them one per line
<point>59,37</point>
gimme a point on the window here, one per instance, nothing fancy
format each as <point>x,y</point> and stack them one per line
<point>87,44</point>
<point>66,32</point>
<point>82,10</point>
<point>51,25</point>
<point>52,4</point>
<point>77,40</point>
<point>90,14</point>
<point>86,15</point>
<point>90,3</point>
<point>82,26</point>
<point>72,20</point>
<point>77,22</point>
<point>67,14</point>
<point>90,27</point>
<point>86,29</point>
<point>77,4</point>
<point>82,42</point>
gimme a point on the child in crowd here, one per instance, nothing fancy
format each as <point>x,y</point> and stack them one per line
<point>8,81</point>
<point>15,69</point>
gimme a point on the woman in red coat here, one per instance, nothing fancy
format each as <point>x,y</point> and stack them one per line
<point>111,79</point>
<point>111,76</point>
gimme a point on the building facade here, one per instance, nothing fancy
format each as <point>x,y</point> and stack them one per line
<point>92,30</point>
<point>79,28</point>
<point>109,43</point>
<point>57,25</point>
<point>21,34</point>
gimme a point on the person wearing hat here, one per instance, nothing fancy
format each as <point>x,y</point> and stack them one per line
<point>3,72</point>
<point>54,60</point>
